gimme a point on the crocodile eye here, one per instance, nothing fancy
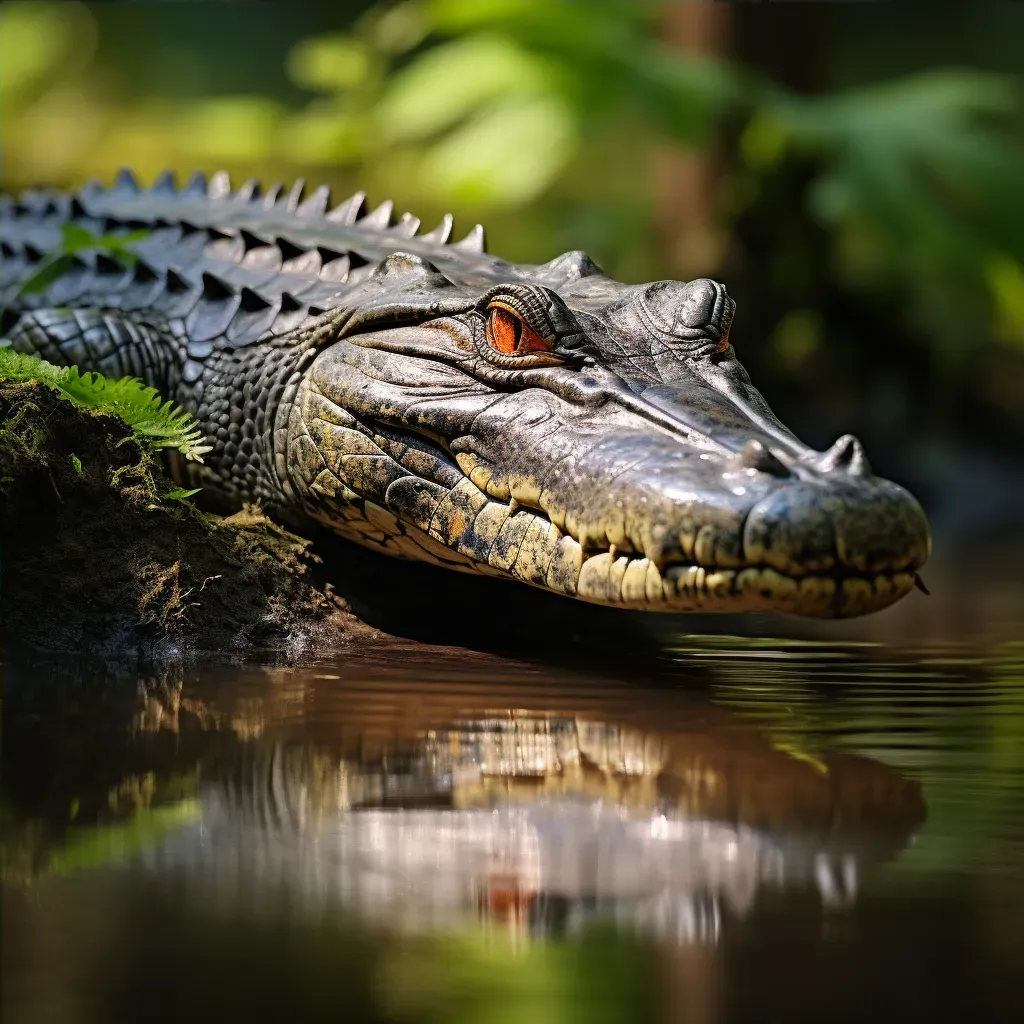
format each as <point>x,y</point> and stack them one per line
<point>507,332</point>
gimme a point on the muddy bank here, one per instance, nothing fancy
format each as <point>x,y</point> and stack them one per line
<point>97,558</point>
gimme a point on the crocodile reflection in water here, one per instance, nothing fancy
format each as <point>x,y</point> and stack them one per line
<point>541,821</point>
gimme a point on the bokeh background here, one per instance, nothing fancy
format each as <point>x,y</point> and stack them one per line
<point>854,172</point>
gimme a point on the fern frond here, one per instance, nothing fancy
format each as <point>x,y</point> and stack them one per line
<point>161,424</point>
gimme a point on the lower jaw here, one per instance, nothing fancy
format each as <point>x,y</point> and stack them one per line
<point>637,583</point>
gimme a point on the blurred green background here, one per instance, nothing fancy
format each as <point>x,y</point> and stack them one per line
<point>854,172</point>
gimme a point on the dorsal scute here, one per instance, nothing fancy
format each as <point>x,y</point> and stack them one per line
<point>303,219</point>
<point>259,261</point>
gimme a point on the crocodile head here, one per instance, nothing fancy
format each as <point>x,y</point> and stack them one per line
<point>599,440</point>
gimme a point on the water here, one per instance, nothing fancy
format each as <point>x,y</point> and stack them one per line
<point>737,830</point>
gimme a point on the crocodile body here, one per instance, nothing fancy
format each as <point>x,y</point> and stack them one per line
<point>422,397</point>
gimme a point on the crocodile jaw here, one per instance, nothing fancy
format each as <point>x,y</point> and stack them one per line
<point>605,510</point>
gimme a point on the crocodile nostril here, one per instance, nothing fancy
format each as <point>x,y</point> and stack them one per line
<point>846,456</point>
<point>755,456</point>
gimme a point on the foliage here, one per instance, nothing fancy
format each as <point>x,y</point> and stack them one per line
<point>75,239</point>
<point>157,424</point>
<point>105,845</point>
<point>547,119</point>
<point>919,183</point>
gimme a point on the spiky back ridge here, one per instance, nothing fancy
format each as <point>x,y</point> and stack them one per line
<point>236,264</point>
<point>219,305</point>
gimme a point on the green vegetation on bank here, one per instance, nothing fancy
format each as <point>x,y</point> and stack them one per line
<point>103,552</point>
<point>155,423</point>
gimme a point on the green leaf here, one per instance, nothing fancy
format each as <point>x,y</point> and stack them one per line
<point>76,238</point>
<point>451,81</point>
<point>182,493</point>
<point>329,63</point>
<point>49,271</point>
<point>473,164</point>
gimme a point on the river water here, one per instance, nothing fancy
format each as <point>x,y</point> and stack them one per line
<point>734,830</point>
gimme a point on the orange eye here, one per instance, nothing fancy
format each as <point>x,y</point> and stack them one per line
<point>508,333</point>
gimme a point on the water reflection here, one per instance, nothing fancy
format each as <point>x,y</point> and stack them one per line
<point>411,834</point>
<point>428,807</point>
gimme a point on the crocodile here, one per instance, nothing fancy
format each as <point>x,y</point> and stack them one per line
<point>418,395</point>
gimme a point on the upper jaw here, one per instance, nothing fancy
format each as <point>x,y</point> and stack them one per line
<point>835,550</point>
<point>754,521</point>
